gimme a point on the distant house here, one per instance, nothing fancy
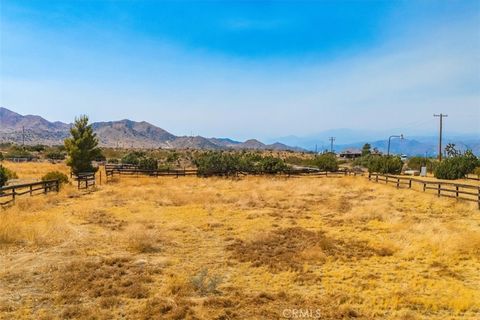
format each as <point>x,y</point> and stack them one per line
<point>350,153</point>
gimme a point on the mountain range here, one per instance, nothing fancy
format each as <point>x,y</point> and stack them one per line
<point>132,134</point>
<point>123,133</point>
<point>411,145</point>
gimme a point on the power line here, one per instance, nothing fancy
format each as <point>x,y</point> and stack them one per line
<point>331,143</point>
<point>441,116</point>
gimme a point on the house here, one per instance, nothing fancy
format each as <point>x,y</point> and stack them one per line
<point>350,153</point>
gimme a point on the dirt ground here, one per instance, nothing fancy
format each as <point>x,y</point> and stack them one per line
<point>249,248</point>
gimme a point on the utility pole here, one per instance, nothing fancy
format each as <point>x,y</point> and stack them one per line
<point>331,143</point>
<point>316,148</point>
<point>23,136</point>
<point>441,116</point>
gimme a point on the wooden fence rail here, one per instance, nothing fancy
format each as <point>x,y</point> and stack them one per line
<point>111,170</point>
<point>11,192</point>
<point>458,191</point>
<point>84,179</point>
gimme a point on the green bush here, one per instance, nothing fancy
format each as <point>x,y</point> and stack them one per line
<point>271,165</point>
<point>6,174</point>
<point>55,155</point>
<point>456,167</point>
<point>3,176</point>
<point>141,160</point>
<point>326,162</point>
<point>383,164</point>
<point>1,156</point>
<point>18,152</point>
<point>133,158</point>
<point>217,163</point>
<point>416,163</point>
<point>56,175</point>
<point>148,164</point>
<point>225,164</point>
<point>113,161</point>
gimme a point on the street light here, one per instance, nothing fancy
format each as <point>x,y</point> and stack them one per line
<point>389,139</point>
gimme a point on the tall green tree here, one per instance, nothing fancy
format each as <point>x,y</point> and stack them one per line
<point>82,147</point>
<point>366,149</point>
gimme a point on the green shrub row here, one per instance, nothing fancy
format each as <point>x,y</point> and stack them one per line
<point>457,167</point>
<point>225,163</point>
<point>380,164</point>
<point>141,160</point>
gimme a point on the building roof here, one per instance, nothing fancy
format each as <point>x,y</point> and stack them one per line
<point>351,151</point>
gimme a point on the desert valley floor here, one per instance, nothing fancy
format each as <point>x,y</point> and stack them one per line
<point>248,248</point>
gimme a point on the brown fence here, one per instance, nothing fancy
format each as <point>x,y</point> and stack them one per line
<point>458,191</point>
<point>12,192</point>
<point>112,171</point>
<point>84,180</point>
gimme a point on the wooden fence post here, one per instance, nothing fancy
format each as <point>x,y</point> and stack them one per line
<point>439,187</point>
<point>398,183</point>
<point>478,197</point>
<point>409,183</point>
<point>424,186</point>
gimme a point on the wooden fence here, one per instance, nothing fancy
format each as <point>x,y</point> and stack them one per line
<point>84,180</point>
<point>112,170</point>
<point>12,192</point>
<point>458,191</point>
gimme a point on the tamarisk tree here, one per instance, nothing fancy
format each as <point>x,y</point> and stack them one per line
<point>82,147</point>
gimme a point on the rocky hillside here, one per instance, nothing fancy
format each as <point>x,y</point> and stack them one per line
<point>123,133</point>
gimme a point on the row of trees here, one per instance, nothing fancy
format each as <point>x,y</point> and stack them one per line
<point>226,163</point>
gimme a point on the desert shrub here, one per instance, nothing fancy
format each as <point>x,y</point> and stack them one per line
<point>148,163</point>
<point>3,176</point>
<point>217,163</point>
<point>35,148</point>
<point>416,163</point>
<point>271,165</point>
<point>18,152</point>
<point>56,175</point>
<point>205,284</point>
<point>173,157</point>
<point>457,167</point>
<point>224,163</point>
<point>383,164</point>
<point>298,161</point>
<point>55,155</point>
<point>141,160</point>
<point>113,161</point>
<point>6,174</point>
<point>1,156</point>
<point>326,162</point>
<point>132,157</point>
<point>477,171</point>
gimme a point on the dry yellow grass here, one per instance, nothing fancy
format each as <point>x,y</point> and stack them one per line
<point>192,248</point>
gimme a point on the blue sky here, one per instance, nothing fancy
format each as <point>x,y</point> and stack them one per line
<point>245,69</point>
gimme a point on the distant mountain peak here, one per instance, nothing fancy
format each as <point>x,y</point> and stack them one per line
<point>121,133</point>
